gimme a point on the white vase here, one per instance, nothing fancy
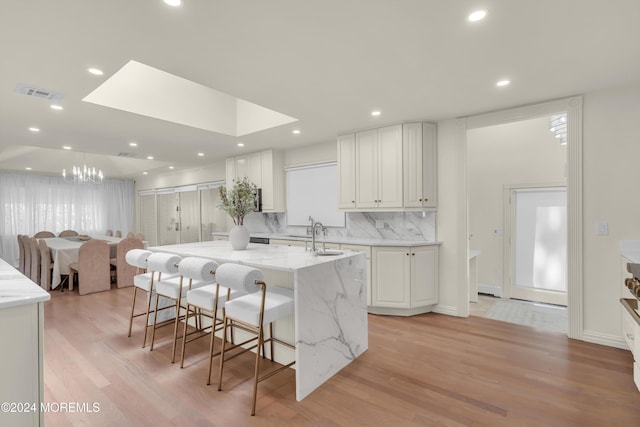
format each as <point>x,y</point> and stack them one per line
<point>239,237</point>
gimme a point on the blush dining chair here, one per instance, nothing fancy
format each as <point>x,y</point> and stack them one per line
<point>92,268</point>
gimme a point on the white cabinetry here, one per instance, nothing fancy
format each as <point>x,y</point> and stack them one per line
<point>404,278</point>
<point>389,168</point>
<point>419,165</point>
<point>367,251</point>
<point>631,333</point>
<point>266,170</point>
<point>347,171</point>
<point>379,168</point>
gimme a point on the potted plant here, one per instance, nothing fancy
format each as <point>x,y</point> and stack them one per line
<point>238,202</point>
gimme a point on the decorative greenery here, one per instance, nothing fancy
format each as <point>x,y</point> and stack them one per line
<point>239,201</point>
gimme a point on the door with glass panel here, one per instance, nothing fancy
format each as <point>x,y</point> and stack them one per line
<point>539,244</point>
<point>168,218</point>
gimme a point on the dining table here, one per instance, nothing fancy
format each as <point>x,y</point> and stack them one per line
<point>64,252</point>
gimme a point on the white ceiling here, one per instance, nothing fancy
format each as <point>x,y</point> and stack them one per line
<point>327,63</point>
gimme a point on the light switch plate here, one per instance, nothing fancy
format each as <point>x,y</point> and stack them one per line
<point>602,228</point>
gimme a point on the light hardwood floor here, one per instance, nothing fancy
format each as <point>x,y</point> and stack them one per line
<point>419,371</point>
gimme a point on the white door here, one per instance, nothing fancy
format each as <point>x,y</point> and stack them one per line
<point>539,245</point>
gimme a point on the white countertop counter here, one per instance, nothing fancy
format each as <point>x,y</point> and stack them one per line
<point>16,289</point>
<point>275,257</point>
<point>473,253</point>
<point>630,249</point>
<point>343,240</point>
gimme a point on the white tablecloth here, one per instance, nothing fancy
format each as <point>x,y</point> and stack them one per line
<point>64,252</point>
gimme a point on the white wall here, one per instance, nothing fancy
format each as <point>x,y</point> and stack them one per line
<point>517,153</point>
<point>213,172</point>
<point>316,153</point>
<point>611,194</point>
<point>611,149</point>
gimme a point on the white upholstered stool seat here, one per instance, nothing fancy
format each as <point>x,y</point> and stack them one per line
<point>141,280</point>
<point>278,303</point>
<point>160,266</point>
<point>261,306</point>
<point>205,297</point>
<point>194,272</point>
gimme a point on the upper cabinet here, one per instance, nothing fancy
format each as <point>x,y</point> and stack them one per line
<point>266,170</point>
<point>419,160</point>
<point>389,168</point>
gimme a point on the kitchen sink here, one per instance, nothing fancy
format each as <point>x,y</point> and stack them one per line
<point>329,252</point>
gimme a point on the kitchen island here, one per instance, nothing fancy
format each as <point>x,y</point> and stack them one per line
<point>329,327</point>
<point>21,334</point>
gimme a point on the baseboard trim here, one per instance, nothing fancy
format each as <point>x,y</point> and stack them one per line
<point>389,311</point>
<point>449,310</point>
<point>604,339</point>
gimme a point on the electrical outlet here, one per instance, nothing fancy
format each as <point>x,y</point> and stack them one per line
<point>379,223</point>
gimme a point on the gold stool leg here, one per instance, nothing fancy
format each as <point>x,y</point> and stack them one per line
<point>257,369</point>
<point>175,331</point>
<point>133,306</point>
<point>224,335</point>
<point>184,335</point>
<point>146,319</point>
<point>153,327</point>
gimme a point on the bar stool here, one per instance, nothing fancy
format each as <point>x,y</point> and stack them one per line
<point>250,313</point>
<point>209,298</point>
<point>199,272</point>
<point>146,281</point>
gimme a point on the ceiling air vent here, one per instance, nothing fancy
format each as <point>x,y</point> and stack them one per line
<point>121,154</point>
<point>38,92</point>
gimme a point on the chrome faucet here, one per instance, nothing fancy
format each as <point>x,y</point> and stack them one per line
<point>314,224</point>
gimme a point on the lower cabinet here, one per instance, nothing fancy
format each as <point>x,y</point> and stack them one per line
<point>367,251</point>
<point>404,280</point>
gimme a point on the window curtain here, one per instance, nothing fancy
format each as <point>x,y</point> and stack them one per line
<point>32,203</point>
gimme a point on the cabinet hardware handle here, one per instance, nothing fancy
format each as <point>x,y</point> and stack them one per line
<point>353,201</point>
<point>413,254</point>
<point>407,254</point>
<point>630,336</point>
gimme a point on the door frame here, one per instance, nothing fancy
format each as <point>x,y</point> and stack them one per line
<point>509,227</point>
<point>573,107</point>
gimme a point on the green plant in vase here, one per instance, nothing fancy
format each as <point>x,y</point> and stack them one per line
<point>238,203</point>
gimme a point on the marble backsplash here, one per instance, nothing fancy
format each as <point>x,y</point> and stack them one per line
<point>397,225</point>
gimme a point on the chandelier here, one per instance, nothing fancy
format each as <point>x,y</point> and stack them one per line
<point>83,175</point>
<point>558,123</point>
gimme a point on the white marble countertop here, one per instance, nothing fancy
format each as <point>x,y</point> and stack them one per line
<point>16,289</point>
<point>630,249</point>
<point>275,257</point>
<point>342,240</point>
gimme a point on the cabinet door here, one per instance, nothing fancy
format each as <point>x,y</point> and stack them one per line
<point>412,164</point>
<point>390,167</point>
<point>231,172</point>
<point>367,251</point>
<point>424,276</point>
<point>390,277</point>
<point>347,171</point>
<point>253,169</point>
<point>367,169</point>
<point>429,161</point>
<point>267,180</point>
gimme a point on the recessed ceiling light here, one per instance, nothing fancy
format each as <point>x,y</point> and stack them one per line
<point>28,168</point>
<point>375,113</point>
<point>57,107</point>
<point>296,131</point>
<point>149,157</point>
<point>240,144</point>
<point>171,167</point>
<point>200,154</point>
<point>478,15</point>
<point>502,83</point>
<point>173,3</point>
<point>133,144</point>
<point>66,147</point>
<point>145,173</point>
<point>95,71</point>
<point>32,129</point>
